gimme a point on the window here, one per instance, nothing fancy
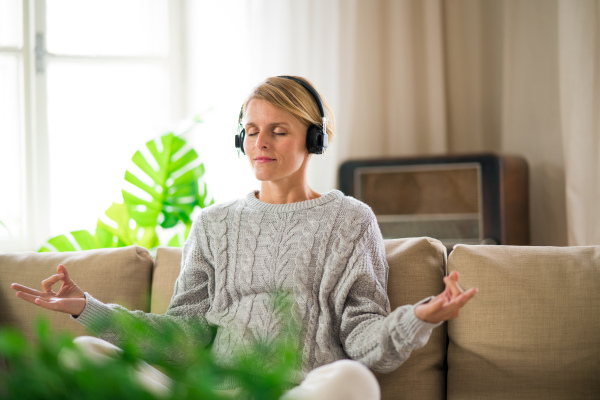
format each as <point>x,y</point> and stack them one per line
<point>83,85</point>
<point>12,60</point>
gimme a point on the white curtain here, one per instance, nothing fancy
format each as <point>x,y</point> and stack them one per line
<point>579,74</point>
<point>417,77</point>
<point>523,77</point>
<point>391,79</point>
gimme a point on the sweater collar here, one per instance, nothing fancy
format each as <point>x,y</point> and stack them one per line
<point>255,203</point>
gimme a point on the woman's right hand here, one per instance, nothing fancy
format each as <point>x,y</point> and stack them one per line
<point>69,298</point>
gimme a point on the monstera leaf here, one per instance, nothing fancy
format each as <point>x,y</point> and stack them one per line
<point>127,233</point>
<point>169,182</point>
<point>167,189</point>
<point>116,231</point>
<point>76,240</point>
<point>179,238</point>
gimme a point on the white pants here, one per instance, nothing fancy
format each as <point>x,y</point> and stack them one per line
<point>340,380</point>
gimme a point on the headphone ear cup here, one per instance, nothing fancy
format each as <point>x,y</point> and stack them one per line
<point>239,140</point>
<point>314,139</point>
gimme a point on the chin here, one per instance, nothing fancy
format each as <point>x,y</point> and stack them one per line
<point>263,177</point>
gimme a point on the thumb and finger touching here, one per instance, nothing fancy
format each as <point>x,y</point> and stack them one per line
<point>61,269</point>
<point>69,297</point>
<point>448,303</point>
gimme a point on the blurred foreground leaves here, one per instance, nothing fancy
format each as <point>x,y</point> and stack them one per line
<point>53,367</point>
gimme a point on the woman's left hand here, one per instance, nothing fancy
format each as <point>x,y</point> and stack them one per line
<point>447,304</point>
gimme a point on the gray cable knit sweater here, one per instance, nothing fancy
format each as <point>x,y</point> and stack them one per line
<point>328,251</point>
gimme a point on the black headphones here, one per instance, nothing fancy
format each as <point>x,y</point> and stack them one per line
<point>316,135</point>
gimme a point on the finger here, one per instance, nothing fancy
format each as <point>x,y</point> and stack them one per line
<point>469,294</point>
<point>437,303</point>
<point>452,285</point>
<point>453,275</point>
<point>27,297</point>
<point>25,289</point>
<point>61,269</point>
<point>49,282</point>
<point>50,305</point>
<point>463,298</point>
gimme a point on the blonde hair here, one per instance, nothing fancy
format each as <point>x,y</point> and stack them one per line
<point>293,98</point>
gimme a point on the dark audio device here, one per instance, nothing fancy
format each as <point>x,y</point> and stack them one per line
<point>470,199</point>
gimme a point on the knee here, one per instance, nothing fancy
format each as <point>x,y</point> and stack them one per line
<point>342,379</point>
<point>96,349</point>
<point>347,371</point>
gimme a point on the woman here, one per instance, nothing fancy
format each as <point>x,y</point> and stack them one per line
<point>325,248</point>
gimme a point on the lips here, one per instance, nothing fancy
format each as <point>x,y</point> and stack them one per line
<point>262,160</point>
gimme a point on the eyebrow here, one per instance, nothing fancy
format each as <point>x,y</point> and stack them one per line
<point>269,125</point>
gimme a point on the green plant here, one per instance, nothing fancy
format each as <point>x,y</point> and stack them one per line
<point>52,367</point>
<point>165,194</point>
<point>5,227</point>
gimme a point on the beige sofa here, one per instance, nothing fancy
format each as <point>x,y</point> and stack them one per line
<point>533,331</point>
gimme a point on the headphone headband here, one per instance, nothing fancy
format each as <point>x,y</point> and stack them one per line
<point>311,90</point>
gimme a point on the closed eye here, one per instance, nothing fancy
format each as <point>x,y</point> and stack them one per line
<point>274,133</point>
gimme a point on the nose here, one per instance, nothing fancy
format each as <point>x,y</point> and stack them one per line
<point>262,140</point>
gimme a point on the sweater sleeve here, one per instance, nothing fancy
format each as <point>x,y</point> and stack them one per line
<point>371,333</point>
<point>184,318</point>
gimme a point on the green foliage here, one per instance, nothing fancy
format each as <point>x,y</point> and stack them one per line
<point>54,368</point>
<point>4,226</point>
<point>161,195</point>
<point>174,192</point>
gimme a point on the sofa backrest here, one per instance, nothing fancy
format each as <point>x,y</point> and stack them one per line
<point>120,275</point>
<point>533,331</point>
<point>166,270</point>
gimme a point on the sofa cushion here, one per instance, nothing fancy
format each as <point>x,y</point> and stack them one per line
<point>166,271</point>
<point>533,331</point>
<point>417,267</point>
<point>120,275</point>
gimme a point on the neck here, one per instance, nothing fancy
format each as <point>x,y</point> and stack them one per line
<point>274,194</point>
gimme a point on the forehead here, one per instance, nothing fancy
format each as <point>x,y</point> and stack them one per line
<point>261,111</point>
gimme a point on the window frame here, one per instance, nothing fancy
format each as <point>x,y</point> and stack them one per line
<point>34,142</point>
